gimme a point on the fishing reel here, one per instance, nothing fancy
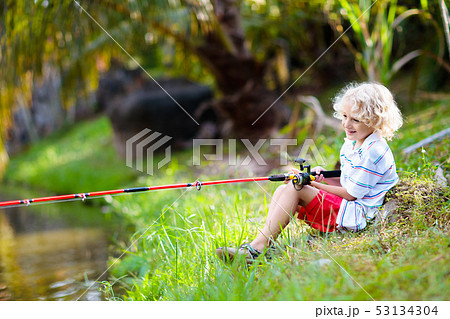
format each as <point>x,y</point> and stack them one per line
<point>298,179</point>
<point>302,178</point>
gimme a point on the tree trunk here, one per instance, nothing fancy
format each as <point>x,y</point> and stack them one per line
<point>240,77</point>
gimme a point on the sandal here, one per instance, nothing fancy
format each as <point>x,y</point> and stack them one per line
<point>228,254</point>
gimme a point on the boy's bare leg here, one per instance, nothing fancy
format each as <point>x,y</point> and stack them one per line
<point>282,208</point>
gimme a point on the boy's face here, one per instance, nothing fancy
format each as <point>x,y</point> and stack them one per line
<point>354,129</point>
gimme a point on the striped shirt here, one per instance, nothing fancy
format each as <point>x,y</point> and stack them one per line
<point>367,173</point>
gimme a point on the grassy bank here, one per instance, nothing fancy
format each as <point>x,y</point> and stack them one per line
<point>171,256</point>
<point>405,257</point>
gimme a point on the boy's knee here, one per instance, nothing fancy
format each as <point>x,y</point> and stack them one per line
<point>306,190</point>
<point>285,189</point>
<point>291,189</point>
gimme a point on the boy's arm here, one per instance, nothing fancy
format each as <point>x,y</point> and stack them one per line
<point>336,190</point>
<point>334,181</point>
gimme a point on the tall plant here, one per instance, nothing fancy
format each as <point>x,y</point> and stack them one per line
<point>374,25</point>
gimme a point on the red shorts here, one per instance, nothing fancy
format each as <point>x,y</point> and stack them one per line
<point>321,212</point>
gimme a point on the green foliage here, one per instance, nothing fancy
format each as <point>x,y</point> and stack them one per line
<point>48,40</point>
<point>38,36</point>
<point>164,37</point>
<point>375,25</point>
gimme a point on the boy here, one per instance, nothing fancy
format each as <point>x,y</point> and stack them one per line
<point>369,114</point>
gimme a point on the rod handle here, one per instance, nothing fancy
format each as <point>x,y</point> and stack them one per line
<point>277,178</point>
<point>328,174</point>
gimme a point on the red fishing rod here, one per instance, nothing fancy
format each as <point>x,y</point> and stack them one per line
<point>298,179</point>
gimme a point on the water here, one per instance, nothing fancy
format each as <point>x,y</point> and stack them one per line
<point>54,251</point>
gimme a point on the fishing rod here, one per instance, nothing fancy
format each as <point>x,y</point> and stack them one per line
<point>298,179</point>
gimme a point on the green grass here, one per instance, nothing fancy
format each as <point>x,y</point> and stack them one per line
<point>417,127</point>
<point>80,159</point>
<point>171,256</point>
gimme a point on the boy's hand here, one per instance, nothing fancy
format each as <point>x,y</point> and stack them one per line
<point>317,170</point>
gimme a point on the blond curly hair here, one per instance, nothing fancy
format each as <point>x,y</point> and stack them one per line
<point>372,104</point>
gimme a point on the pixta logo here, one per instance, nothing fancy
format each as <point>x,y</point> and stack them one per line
<point>141,148</point>
<point>308,151</point>
<point>148,142</point>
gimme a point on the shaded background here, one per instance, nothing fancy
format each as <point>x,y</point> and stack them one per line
<point>247,52</point>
